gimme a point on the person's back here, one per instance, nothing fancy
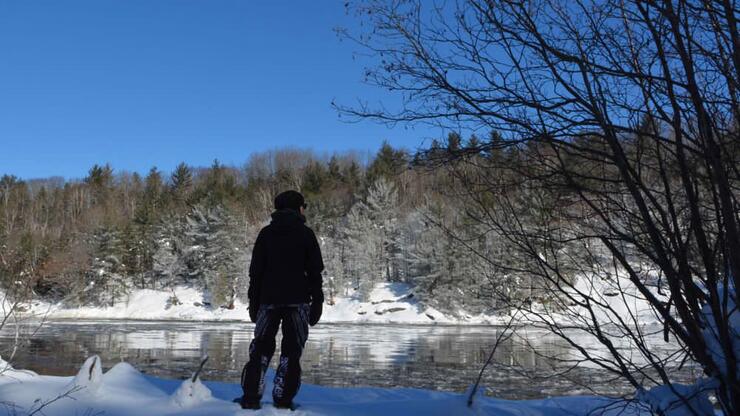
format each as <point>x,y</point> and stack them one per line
<point>284,279</point>
<point>286,256</point>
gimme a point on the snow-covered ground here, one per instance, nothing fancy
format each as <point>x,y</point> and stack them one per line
<point>388,303</point>
<point>123,390</point>
<point>395,303</point>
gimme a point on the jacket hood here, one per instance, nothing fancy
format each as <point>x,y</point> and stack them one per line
<point>287,218</point>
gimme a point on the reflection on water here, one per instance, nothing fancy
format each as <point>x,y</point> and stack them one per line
<point>444,358</point>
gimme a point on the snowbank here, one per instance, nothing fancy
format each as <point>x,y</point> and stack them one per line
<point>125,391</point>
<point>618,297</point>
<point>147,304</point>
<point>388,303</point>
<point>395,303</point>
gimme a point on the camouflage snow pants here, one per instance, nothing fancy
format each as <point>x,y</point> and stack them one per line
<point>287,381</point>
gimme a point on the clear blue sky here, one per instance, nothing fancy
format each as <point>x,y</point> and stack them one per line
<point>142,83</point>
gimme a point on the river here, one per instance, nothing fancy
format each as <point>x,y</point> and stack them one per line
<point>432,357</point>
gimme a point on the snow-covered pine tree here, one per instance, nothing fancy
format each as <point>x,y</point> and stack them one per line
<point>333,248</point>
<point>213,253</point>
<point>244,236</point>
<point>168,266</point>
<point>365,261</point>
<point>442,268</point>
<point>382,208</point>
<point>374,236</point>
<point>431,262</point>
<point>425,269</point>
<point>106,282</point>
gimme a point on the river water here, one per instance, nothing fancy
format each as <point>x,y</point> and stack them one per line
<point>432,357</point>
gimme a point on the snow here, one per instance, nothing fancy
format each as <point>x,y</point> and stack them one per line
<point>612,297</point>
<point>388,303</point>
<point>125,391</point>
<point>619,296</point>
<point>89,375</point>
<point>731,314</point>
<point>669,400</point>
<point>191,394</point>
<point>393,303</point>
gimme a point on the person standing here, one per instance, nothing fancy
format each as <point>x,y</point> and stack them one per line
<point>285,290</point>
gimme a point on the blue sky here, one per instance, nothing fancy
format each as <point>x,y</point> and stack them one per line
<point>142,83</point>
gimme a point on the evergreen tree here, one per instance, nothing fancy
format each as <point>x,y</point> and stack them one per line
<point>139,237</point>
<point>365,250</point>
<point>334,245</point>
<point>388,163</point>
<point>315,178</point>
<point>106,282</point>
<point>212,253</point>
<point>334,170</point>
<point>474,143</point>
<point>219,185</point>
<point>149,208</point>
<point>375,239</point>
<point>100,180</point>
<point>442,268</point>
<point>185,233</point>
<point>181,182</point>
<point>168,261</point>
<point>352,177</point>
<point>454,142</point>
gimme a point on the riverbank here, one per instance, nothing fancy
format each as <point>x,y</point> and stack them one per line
<point>123,390</point>
<point>389,303</point>
<point>615,298</point>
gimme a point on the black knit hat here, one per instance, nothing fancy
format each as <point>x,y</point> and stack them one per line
<point>290,200</point>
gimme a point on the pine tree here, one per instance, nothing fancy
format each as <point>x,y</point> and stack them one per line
<point>454,142</point>
<point>138,238</point>
<point>428,255</point>
<point>100,180</point>
<point>365,250</point>
<point>334,170</point>
<point>106,281</point>
<point>443,270</point>
<point>149,207</point>
<point>352,177</point>
<point>212,253</point>
<point>315,177</point>
<point>334,245</point>
<point>374,236</point>
<point>219,185</point>
<point>168,263</point>
<point>181,185</point>
<point>388,163</point>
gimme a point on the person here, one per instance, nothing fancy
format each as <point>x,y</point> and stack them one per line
<point>284,288</point>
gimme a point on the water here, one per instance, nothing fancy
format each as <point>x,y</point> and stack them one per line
<point>443,358</point>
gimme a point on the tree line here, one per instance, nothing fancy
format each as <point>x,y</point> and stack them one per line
<point>383,218</point>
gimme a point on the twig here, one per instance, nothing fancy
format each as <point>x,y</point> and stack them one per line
<point>503,336</point>
<point>197,372</point>
<point>68,393</point>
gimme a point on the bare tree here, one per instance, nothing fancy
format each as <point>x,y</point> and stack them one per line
<point>626,113</point>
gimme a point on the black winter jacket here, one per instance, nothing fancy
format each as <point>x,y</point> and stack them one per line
<point>286,263</point>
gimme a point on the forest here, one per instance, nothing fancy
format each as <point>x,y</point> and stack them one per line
<point>386,219</point>
<point>422,218</point>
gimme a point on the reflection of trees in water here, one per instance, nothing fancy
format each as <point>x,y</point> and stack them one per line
<point>445,358</point>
